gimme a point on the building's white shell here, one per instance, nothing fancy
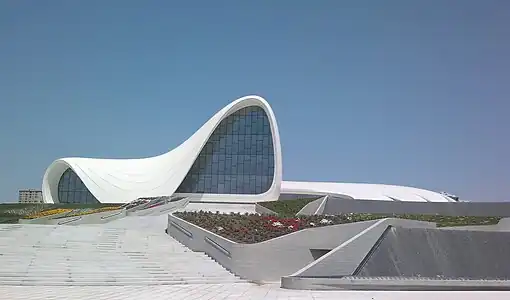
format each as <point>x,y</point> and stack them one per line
<point>364,191</point>
<point>123,180</point>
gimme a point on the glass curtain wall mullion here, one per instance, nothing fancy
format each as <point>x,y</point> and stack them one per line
<point>72,190</point>
<point>235,159</point>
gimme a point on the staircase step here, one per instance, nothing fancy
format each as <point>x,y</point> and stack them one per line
<point>95,255</point>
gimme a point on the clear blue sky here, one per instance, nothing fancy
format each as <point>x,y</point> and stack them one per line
<point>398,92</point>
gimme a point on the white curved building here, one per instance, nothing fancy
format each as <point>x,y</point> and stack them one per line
<point>234,157</point>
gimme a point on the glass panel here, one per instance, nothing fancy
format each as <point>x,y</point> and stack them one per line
<point>72,190</point>
<point>238,157</point>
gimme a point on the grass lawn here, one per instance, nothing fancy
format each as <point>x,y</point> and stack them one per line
<point>287,208</point>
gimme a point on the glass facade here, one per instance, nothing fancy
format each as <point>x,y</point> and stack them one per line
<point>238,158</point>
<point>72,190</point>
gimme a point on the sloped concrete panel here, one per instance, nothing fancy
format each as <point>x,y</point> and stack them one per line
<point>435,253</point>
<point>345,258</point>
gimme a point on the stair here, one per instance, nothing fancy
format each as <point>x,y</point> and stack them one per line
<point>140,223</point>
<point>94,255</point>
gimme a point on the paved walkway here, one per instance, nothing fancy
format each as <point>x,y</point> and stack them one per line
<point>244,291</point>
<point>138,255</point>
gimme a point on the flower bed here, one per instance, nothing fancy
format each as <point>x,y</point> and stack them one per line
<point>11,212</point>
<point>88,211</point>
<point>49,212</point>
<point>254,228</point>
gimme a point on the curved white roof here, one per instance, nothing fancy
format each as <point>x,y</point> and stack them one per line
<point>364,191</point>
<point>123,180</point>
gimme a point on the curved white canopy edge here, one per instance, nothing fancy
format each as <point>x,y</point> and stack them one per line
<point>364,191</point>
<point>124,180</point>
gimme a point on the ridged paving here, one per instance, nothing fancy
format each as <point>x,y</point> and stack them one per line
<point>94,255</point>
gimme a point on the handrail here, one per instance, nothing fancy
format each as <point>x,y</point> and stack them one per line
<point>112,215</point>
<point>217,246</point>
<point>181,229</point>
<point>69,221</point>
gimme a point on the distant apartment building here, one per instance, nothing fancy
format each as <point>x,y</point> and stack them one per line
<point>30,196</point>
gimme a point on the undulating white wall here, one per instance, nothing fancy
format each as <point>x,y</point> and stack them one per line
<point>364,191</point>
<point>123,180</point>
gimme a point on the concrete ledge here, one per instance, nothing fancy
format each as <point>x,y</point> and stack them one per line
<point>296,196</point>
<point>161,209</point>
<point>313,208</point>
<point>97,218</point>
<point>42,220</point>
<point>263,210</point>
<point>270,260</point>
<point>504,224</point>
<point>106,216</point>
<point>393,284</point>
<point>336,205</point>
<point>431,252</point>
<point>201,240</point>
<point>345,259</point>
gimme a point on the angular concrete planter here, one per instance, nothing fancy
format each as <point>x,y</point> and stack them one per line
<point>315,207</point>
<point>42,220</point>
<point>270,260</point>
<point>96,218</point>
<point>336,205</point>
<point>263,210</point>
<point>389,256</point>
<point>106,216</point>
<point>161,209</point>
<point>393,284</point>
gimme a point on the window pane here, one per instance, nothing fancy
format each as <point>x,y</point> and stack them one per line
<point>72,190</point>
<point>239,149</point>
